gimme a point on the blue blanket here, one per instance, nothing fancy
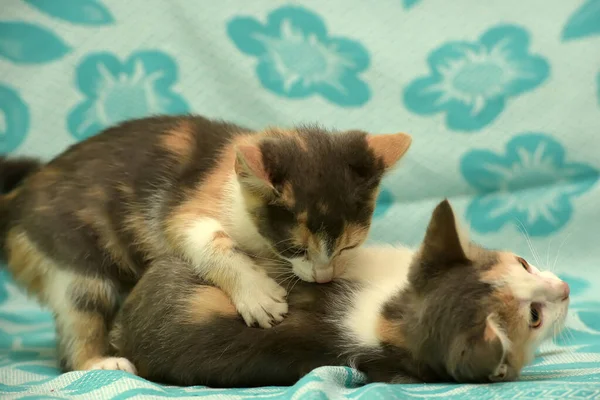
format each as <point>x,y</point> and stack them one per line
<point>502,99</point>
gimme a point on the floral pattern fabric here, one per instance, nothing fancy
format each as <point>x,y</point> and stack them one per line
<point>502,102</point>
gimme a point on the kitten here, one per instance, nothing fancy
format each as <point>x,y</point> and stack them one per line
<point>80,231</point>
<point>451,311</point>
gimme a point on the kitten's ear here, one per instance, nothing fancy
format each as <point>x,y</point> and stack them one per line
<point>497,340</point>
<point>443,242</point>
<point>250,168</point>
<point>389,148</point>
<point>492,332</point>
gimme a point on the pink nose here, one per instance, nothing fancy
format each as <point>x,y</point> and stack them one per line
<point>566,290</point>
<point>323,275</point>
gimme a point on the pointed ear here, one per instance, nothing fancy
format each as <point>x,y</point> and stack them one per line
<point>442,243</point>
<point>492,331</point>
<point>494,336</point>
<point>389,148</point>
<point>250,168</point>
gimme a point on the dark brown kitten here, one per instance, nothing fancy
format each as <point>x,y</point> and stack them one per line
<point>80,231</point>
<point>452,311</point>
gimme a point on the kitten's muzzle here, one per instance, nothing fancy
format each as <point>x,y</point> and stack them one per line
<point>323,275</point>
<point>566,291</point>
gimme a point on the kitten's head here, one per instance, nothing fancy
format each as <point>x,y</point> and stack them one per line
<point>476,315</point>
<point>312,193</point>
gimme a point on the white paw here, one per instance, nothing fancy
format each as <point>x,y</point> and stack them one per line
<point>260,300</point>
<point>115,364</point>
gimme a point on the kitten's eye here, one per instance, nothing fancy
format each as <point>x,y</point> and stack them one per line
<point>348,248</point>
<point>294,252</point>
<point>299,252</point>
<point>524,264</point>
<point>536,316</point>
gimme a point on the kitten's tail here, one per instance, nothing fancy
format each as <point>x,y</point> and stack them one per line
<point>12,173</point>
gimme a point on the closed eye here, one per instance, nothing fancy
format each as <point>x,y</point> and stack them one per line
<point>348,248</point>
<point>295,252</point>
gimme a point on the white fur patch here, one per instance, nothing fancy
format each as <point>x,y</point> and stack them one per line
<point>199,236</point>
<point>258,298</point>
<point>115,364</point>
<point>384,270</point>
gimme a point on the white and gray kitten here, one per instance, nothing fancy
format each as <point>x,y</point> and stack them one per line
<point>450,311</point>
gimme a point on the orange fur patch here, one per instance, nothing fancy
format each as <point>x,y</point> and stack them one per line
<point>27,264</point>
<point>353,234</point>
<point>206,199</point>
<point>287,133</point>
<point>517,330</point>
<point>222,242</point>
<point>207,302</point>
<point>91,344</point>
<point>389,332</point>
<point>499,270</point>
<point>180,141</point>
<point>287,195</point>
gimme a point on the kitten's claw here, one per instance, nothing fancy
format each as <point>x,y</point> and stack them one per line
<point>115,364</point>
<point>261,301</point>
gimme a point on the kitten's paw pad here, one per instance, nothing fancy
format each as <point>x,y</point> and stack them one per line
<point>115,364</point>
<point>261,301</point>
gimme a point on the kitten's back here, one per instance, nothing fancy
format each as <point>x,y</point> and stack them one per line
<point>207,342</point>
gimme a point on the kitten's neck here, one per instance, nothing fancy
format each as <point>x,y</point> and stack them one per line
<point>374,323</point>
<point>384,273</point>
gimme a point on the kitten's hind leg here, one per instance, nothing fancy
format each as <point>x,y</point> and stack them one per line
<point>83,307</point>
<point>258,298</point>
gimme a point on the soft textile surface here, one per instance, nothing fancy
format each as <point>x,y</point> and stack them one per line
<point>502,99</point>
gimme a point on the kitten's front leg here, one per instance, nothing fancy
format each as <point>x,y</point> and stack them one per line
<point>258,298</point>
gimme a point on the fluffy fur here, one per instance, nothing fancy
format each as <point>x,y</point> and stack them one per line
<point>80,231</point>
<point>450,311</point>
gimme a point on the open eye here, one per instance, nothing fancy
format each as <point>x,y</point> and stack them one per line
<point>524,263</point>
<point>536,316</point>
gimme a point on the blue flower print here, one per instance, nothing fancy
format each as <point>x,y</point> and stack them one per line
<point>409,3</point>
<point>83,12</point>
<point>531,185</point>
<point>584,22</point>
<point>598,87</point>
<point>115,91</point>
<point>472,81</point>
<point>14,120</point>
<point>297,58</point>
<point>26,43</point>
<point>384,202</point>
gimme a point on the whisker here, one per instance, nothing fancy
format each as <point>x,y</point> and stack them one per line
<point>290,282</point>
<point>286,274</point>
<point>295,283</point>
<point>559,248</point>
<point>548,254</point>
<point>283,241</point>
<point>529,243</point>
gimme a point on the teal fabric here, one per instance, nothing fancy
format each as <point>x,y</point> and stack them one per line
<point>502,99</point>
